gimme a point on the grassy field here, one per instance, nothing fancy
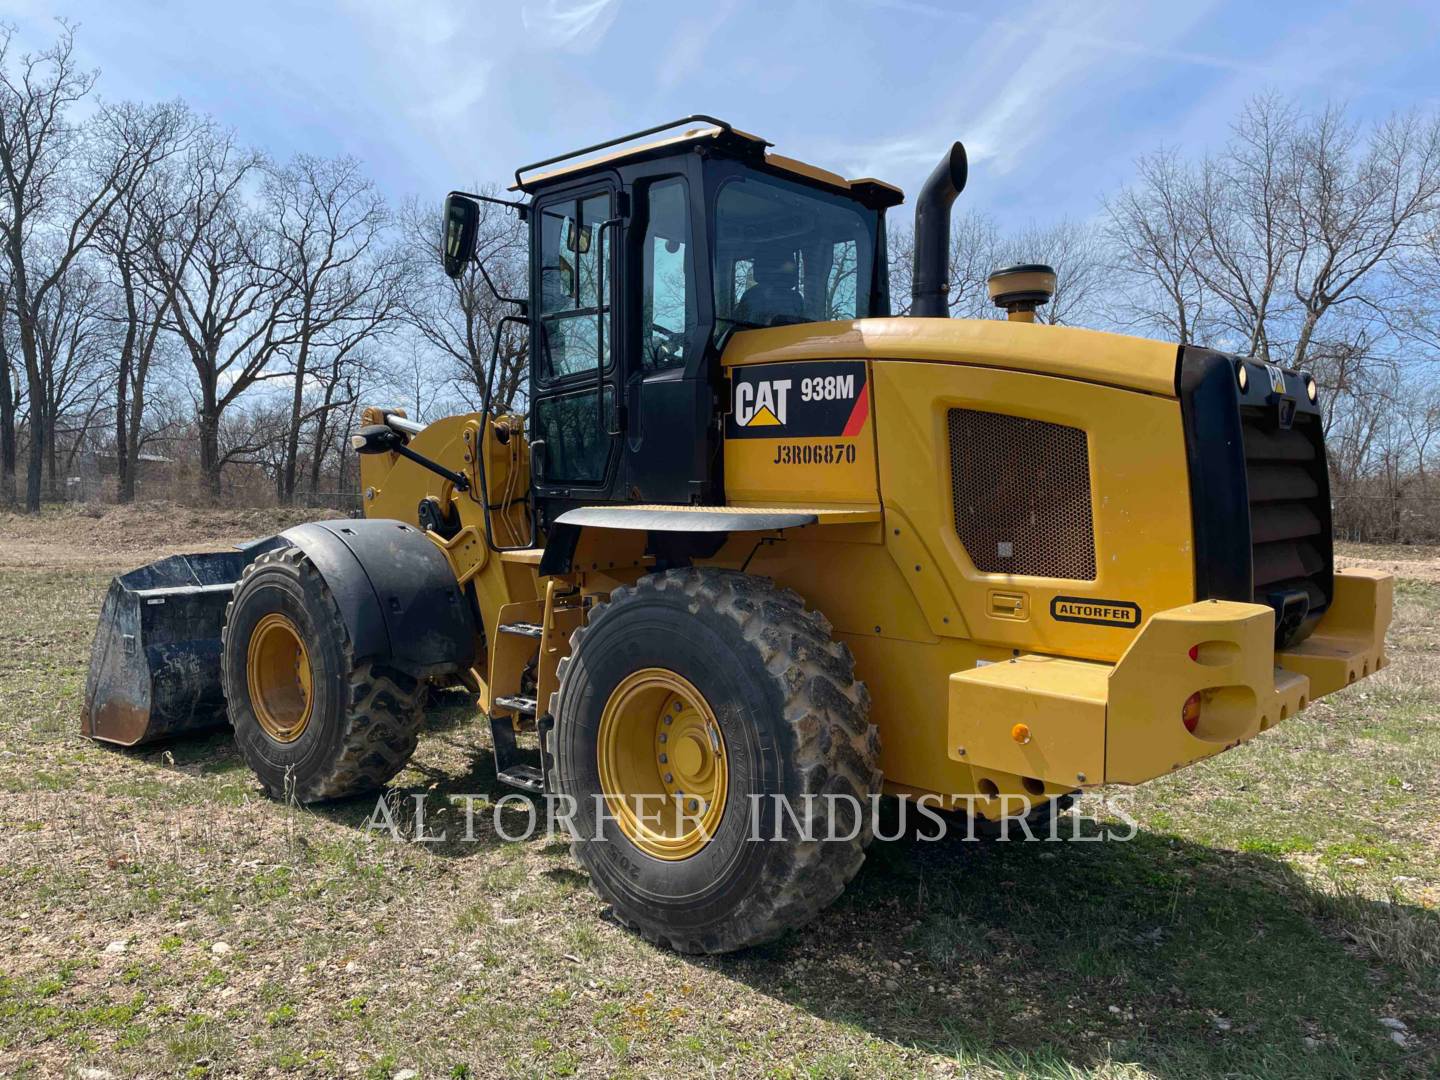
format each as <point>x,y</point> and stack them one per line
<point>1278,914</point>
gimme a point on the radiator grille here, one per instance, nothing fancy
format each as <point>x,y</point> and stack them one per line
<point>1289,511</point>
<point>1022,495</point>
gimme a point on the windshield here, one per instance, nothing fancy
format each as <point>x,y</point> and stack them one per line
<point>786,253</point>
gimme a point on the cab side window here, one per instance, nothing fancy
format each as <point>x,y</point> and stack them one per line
<point>573,339</point>
<point>668,312</point>
<point>574,316</point>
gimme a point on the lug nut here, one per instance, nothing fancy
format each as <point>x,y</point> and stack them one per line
<point>669,778</point>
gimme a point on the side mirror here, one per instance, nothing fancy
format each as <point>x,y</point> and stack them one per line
<point>462,222</point>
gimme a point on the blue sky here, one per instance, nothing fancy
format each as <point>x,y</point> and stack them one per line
<point>1054,100</point>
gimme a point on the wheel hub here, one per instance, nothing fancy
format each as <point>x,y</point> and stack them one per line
<point>279,678</point>
<point>662,763</point>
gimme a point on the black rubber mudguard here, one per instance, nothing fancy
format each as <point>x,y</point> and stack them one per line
<point>396,592</point>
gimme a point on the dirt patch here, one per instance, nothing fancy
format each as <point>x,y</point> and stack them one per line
<point>1416,562</point>
<point>119,537</point>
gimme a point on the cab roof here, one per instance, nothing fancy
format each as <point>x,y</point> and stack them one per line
<point>723,137</point>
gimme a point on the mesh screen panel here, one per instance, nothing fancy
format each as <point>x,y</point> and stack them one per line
<point>1022,495</point>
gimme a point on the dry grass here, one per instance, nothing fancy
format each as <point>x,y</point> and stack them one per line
<point>119,537</point>
<point>1277,903</point>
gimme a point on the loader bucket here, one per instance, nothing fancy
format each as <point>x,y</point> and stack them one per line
<point>155,663</point>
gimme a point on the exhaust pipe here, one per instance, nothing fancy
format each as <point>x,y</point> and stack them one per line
<point>929,284</point>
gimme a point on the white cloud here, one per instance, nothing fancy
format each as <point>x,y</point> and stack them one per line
<point>686,51</point>
<point>427,52</point>
<point>572,25</point>
<point>1019,78</point>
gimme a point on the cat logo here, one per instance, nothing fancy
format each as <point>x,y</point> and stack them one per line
<point>761,404</point>
<point>808,399</point>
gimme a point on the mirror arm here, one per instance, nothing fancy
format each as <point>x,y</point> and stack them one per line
<point>458,479</point>
<point>523,305</point>
<point>520,207</point>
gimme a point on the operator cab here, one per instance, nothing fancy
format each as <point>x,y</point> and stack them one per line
<point>646,253</point>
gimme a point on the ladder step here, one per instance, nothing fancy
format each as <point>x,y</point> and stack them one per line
<point>525,706</point>
<point>525,777</point>
<point>523,629</point>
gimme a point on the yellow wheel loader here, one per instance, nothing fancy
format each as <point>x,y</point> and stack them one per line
<point>759,551</point>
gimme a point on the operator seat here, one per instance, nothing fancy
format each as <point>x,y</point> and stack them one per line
<point>773,300</point>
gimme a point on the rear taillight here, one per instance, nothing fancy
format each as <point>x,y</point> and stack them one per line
<point>1190,713</point>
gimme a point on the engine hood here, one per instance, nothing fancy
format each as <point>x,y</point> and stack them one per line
<point>1133,363</point>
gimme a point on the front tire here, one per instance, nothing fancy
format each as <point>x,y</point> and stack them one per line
<point>311,723</point>
<point>766,712</point>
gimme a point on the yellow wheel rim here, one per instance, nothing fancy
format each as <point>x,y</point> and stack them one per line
<point>278,672</point>
<point>663,766</point>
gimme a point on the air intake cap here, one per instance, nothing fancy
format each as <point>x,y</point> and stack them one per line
<point>1021,289</point>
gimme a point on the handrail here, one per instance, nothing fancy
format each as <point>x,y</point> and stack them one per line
<point>601,422</point>
<point>723,125</point>
<point>480,462</point>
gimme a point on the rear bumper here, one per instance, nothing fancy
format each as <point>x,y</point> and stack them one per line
<point>1071,723</point>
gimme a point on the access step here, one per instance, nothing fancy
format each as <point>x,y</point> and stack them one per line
<point>524,706</point>
<point>525,777</point>
<point>523,629</point>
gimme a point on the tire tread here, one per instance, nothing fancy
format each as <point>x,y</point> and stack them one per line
<point>385,707</point>
<point>836,748</point>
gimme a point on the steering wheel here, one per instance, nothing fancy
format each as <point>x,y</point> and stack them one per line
<point>664,351</point>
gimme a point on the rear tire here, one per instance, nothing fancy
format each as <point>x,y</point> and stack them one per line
<point>792,721</point>
<point>354,726</point>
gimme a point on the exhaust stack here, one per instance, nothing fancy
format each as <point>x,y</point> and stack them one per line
<point>930,285</point>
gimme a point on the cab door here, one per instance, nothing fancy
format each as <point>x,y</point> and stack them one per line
<point>574,428</point>
<point>670,440</point>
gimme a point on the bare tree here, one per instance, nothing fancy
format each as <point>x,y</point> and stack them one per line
<point>1353,208</point>
<point>139,303</point>
<point>11,396</point>
<point>458,317</point>
<point>330,226</point>
<point>74,339</point>
<point>59,181</point>
<point>1240,202</point>
<point>226,297</point>
<point>333,407</point>
<point>1156,244</point>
